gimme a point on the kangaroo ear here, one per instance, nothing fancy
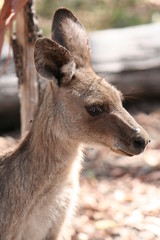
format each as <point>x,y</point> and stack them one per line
<point>53,61</point>
<point>70,33</point>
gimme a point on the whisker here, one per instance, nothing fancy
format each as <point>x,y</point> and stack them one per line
<point>131,96</point>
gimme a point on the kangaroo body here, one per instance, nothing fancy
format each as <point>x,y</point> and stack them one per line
<point>39,179</point>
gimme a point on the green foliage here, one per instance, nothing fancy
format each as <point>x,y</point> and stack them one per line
<point>99,14</point>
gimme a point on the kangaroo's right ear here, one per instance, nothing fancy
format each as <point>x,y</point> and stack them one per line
<point>52,61</point>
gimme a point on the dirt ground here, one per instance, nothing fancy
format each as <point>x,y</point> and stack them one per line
<point>120,196</point>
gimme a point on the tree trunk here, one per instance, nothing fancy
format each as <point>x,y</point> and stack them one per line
<point>27,31</point>
<point>9,103</point>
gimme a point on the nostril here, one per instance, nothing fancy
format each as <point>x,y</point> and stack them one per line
<point>139,143</point>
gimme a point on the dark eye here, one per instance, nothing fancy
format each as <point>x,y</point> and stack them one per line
<point>94,110</point>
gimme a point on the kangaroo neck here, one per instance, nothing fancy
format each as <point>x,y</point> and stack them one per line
<point>49,141</point>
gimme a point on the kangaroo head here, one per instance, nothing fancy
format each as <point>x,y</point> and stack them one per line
<point>89,109</point>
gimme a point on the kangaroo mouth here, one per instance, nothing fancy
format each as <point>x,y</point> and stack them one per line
<point>123,152</point>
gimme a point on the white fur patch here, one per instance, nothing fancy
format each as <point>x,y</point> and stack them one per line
<point>68,69</point>
<point>138,130</point>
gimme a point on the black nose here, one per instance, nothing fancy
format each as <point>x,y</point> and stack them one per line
<point>139,143</point>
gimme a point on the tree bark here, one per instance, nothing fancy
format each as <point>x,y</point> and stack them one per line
<point>27,31</point>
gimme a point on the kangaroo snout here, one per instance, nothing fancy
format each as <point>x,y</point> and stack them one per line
<point>132,144</point>
<point>132,138</point>
<point>140,140</point>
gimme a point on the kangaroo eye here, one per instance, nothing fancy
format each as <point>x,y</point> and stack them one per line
<point>94,110</point>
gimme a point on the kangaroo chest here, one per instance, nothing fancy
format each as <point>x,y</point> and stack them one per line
<point>52,207</point>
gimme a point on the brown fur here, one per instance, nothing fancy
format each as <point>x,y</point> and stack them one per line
<point>39,180</point>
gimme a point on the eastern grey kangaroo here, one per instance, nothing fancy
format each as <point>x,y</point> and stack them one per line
<point>39,179</point>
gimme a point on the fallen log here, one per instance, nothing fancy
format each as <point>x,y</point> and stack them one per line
<point>129,58</point>
<point>142,83</point>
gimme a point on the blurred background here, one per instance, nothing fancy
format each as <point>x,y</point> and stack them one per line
<point>119,196</point>
<point>101,14</point>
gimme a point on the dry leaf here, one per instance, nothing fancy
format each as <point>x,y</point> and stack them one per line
<point>105,224</point>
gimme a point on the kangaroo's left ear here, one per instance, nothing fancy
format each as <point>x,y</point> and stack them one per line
<point>69,32</point>
<point>53,62</point>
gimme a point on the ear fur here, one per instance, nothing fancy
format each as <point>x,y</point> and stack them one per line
<point>53,61</point>
<point>68,31</point>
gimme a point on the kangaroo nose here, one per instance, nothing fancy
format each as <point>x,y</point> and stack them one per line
<point>139,143</point>
<point>139,140</point>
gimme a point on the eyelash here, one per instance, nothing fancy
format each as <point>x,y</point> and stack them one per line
<point>95,110</point>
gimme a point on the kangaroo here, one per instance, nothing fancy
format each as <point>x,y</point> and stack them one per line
<point>39,179</point>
